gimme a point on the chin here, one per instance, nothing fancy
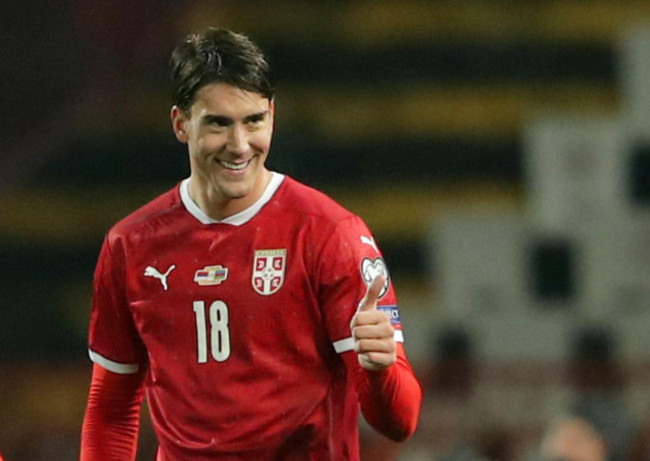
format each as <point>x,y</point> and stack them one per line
<point>237,192</point>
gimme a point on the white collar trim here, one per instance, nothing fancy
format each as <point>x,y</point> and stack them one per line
<point>238,218</point>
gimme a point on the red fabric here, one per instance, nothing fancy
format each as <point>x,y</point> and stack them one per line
<point>390,399</point>
<point>247,364</point>
<point>112,419</point>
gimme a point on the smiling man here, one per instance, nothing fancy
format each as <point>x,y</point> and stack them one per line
<point>255,313</point>
<point>228,132</point>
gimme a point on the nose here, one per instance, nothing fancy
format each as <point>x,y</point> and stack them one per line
<point>238,141</point>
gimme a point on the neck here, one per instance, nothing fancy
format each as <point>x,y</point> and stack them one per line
<point>218,206</point>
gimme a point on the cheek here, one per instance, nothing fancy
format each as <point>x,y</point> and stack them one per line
<point>261,141</point>
<point>209,144</point>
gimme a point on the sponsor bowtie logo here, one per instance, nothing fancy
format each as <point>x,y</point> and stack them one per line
<point>211,275</point>
<point>151,271</point>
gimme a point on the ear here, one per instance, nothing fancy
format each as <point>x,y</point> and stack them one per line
<point>179,124</point>
<point>272,112</point>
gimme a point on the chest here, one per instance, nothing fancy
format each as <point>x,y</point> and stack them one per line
<point>247,262</point>
<point>218,292</point>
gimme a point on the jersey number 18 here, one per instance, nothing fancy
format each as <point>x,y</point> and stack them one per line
<point>219,333</point>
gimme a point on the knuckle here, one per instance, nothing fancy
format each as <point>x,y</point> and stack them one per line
<point>360,346</point>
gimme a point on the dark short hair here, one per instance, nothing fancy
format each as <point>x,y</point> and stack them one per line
<point>217,56</point>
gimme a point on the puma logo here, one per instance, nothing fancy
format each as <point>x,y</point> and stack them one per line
<point>369,241</point>
<point>151,271</point>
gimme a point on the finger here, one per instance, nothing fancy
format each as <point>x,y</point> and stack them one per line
<point>377,331</point>
<point>374,361</point>
<point>369,301</point>
<point>366,346</point>
<point>369,317</point>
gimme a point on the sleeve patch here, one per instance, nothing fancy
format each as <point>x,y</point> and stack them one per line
<point>393,313</point>
<point>371,268</point>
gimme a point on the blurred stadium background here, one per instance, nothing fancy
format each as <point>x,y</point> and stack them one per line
<point>499,150</point>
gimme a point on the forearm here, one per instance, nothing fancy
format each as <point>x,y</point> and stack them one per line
<point>390,399</point>
<point>112,419</point>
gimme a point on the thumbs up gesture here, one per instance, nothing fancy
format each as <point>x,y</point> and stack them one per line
<point>372,331</point>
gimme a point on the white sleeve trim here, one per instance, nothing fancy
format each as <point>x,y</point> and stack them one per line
<point>398,336</point>
<point>343,345</point>
<point>115,367</point>
<point>347,344</point>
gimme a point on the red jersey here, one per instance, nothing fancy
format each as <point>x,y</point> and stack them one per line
<point>240,323</point>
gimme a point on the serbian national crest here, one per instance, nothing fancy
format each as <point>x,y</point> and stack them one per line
<point>268,270</point>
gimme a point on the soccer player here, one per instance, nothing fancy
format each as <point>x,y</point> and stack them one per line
<point>255,313</point>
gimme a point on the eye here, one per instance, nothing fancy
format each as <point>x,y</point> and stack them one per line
<point>221,122</point>
<point>255,119</point>
<point>217,122</point>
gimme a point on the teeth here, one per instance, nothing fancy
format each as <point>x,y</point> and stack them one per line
<point>234,166</point>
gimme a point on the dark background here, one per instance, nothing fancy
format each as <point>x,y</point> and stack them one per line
<point>400,110</point>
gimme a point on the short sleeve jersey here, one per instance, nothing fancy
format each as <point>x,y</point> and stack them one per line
<point>239,323</point>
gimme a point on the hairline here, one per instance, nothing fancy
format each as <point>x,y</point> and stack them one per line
<point>187,110</point>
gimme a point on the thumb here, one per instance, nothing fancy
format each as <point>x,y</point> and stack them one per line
<point>369,301</point>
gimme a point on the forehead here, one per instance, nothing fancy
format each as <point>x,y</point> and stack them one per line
<point>225,99</point>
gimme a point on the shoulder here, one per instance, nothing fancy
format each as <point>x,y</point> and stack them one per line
<point>300,198</point>
<point>149,217</point>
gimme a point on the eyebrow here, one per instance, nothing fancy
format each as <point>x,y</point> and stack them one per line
<point>227,121</point>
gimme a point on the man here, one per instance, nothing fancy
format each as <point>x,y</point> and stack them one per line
<point>255,313</point>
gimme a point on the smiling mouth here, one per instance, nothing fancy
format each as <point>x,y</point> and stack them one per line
<point>232,165</point>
